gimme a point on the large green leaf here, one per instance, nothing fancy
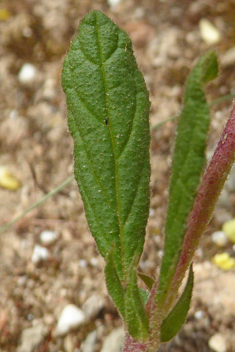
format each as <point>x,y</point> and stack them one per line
<point>172,324</point>
<point>108,110</point>
<point>187,165</point>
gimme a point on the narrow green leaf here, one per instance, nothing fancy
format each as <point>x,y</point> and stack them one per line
<point>187,165</point>
<point>172,324</point>
<point>113,283</point>
<point>149,282</point>
<point>144,295</point>
<point>209,67</point>
<point>108,109</point>
<point>136,317</point>
<point>130,301</point>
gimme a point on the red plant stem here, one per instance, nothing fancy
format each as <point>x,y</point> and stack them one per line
<point>208,193</point>
<point>134,346</point>
<point>130,344</point>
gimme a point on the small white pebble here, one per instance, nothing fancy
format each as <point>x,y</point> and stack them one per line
<point>13,114</point>
<point>219,238</point>
<point>30,317</point>
<point>94,261</point>
<point>63,292</point>
<point>27,32</point>
<point>142,264</point>
<point>39,253</point>
<point>82,263</point>
<point>27,74</point>
<point>157,240</point>
<point>48,237</point>
<point>114,341</point>
<point>217,343</point>
<point>199,253</point>
<point>22,280</point>
<point>93,306</point>
<point>199,315</point>
<point>49,89</point>
<point>228,57</point>
<point>71,317</point>
<point>113,3</point>
<point>209,33</point>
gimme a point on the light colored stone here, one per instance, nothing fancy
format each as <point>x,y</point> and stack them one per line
<point>39,253</point>
<point>209,33</point>
<point>94,261</point>
<point>27,73</point>
<point>69,344</point>
<point>48,237</point>
<point>114,341</point>
<point>93,306</point>
<point>89,343</point>
<point>49,89</point>
<point>217,343</point>
<point>113,3</point>
<point>199,315</point>
<point>71,317</point>
<point>228,57</point>
<point>219,238</point>
<point>32,337</point>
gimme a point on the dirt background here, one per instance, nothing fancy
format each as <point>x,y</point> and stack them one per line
<point>37,149</point>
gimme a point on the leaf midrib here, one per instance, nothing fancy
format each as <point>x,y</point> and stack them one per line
<point>114,154</point>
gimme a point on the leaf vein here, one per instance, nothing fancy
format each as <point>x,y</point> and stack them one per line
<point>91,168</point>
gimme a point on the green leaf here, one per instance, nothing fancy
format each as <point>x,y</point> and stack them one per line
<point>108,109</point>
<point>187,165</point>
<point>130,301</point>
<point>172,324</point>
<point>144,295</point>
<point>149,282</point>
<point>136,317</point>
<point>209,67</point>
<point>113,283</point>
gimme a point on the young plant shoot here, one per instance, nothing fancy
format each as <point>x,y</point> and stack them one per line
<point>108,116</point>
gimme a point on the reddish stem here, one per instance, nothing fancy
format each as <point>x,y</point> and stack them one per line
<point>208,193</point>
<point>134,346</point>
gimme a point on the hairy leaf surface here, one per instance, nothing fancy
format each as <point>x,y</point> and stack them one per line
<point>136,317</point>
<point>172,324</point>
<point>187,165</point>
<point>108,110</point>
<point>113,283</point>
